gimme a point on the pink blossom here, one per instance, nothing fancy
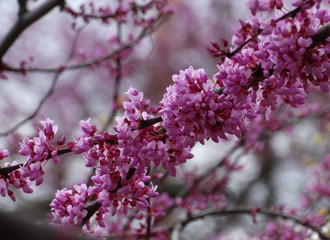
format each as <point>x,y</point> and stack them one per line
<point>87,127</point>
<point>68,207</point>
<point>49,129</point>
<point>258,5</point>
<point>192,111</point>
<point>41,148</point>
<point>37,150</point>
<point>3,153</point>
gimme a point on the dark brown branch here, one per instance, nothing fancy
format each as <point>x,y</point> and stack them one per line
<point>22,7</point>
<point>92,208</point>
<point>321,35</point>
<point>238,49</point>
<point>24,21</point>
<point>318,38</point>
<point>134,8</point>
<point>264,211</point>
<point>5,170</point>
<point>148,233</point>
<point>292,13</point>
<point>145,123</point>
<point>149,122</point>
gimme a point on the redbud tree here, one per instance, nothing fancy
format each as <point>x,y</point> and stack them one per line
<point>73,73</point>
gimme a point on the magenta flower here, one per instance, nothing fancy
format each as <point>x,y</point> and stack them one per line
<point>192,111</point>
<point>37,150</point>
<point>68,207</point>
<point>3,153</point>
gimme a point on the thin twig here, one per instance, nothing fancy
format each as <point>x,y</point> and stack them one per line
<point>148,233</point>
<point>92,208</point>
<point>186,189</point>
<point>5,170</point>
<point>117,80</point>
<point>264,211</point>
<point>48,93</point>
<point>134,8</point>
<point>145,32</point>
<point>289,14</point>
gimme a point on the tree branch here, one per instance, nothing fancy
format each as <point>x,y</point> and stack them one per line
<point>92,208</point>
<point>25,20</point>
<point>321,35</point>
<point>149,122</point>
<point>292,13</point>
<point>134,8</point>
<point>318,38</point>
<point>5,170</point>
<point>118,78</point>
<point>22,7</point>
<point>264,211</point>
<point>145,32</point>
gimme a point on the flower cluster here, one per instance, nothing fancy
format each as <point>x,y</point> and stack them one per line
<point>84,142</point>
<point>4,181</point>
<point>15,179</point>
<point>320,189</point>
<point>3,153</point>
<point>120,181</point>
<point>280,62</point>
<point>283,230</point>
<point>192,111</point>
<point>143,144</point>
<point>68,206</point>
<point>40,148</point>
<point>129,193</point>
<point>37,150</point>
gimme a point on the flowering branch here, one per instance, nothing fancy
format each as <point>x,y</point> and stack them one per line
<point>249,87</point>
<point>144,124</point>
<point>117,81</point>
<point>289,14</point>
<point>5,170</point>
<point>257,76</point>
<point>321,34</point>
<point>134,7</point>
<point>92,208</point>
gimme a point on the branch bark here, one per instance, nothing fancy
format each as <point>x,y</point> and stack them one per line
<point>25,19</point>
<point>144,33</point>
<point>321,35</point>
<point>92,208</point>
<point>264,211</point>
<point>5,170</point>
